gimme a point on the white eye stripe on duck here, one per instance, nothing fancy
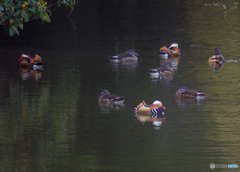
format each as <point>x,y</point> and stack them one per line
<point>157,102</point>
<point>24,55</point>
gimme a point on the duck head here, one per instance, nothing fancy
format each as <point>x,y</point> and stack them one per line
<point>171,45</point>
<point>25,57</point>
<point>103,93</point>
<point>159,103</point>
<point>217,51</point>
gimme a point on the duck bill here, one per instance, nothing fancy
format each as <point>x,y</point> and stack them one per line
<point>163,107</point>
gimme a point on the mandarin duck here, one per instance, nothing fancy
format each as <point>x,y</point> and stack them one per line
<point>107,98</point>
<point>155,107</point>
<point>171,50</point>
<point>185,92</point>
<point>165,71</point>
<point>128,56</point>
<point>27,61</point>
<point>217,58</point>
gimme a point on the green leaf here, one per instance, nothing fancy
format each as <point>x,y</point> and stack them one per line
<point>23,13</point>
<point>11,31</point>
<point>31,9</point>
<point>25,16</point>
<point>17,19</point>
<point>21,26</point>
<point>46,17</point>
<point>15,30</point>
<point>1,7</point>
<point>59,3</point>
<point>18,12</point>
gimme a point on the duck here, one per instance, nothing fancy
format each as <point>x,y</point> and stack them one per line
<point>164,51</point>
<point>217,58</point>
<point>106,98</point>
<point>175,51</point>
<point>165,71</point>
<point>155,107</point>
<point>128,56</point>
<point>170,50</point>
<point>186,93</point>
<point>27,61</point>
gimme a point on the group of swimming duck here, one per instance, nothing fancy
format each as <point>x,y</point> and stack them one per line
<point>164,71</point>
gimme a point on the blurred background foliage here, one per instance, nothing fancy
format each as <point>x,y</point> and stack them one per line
<point>13,13</point>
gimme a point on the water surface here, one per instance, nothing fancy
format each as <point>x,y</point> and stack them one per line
<point>51,120</point>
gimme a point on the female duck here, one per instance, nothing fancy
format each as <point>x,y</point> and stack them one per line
<point>217,58</point>
<point>185,92</point>
<point>106,97</point>
<point>155,107</point>
<point>165,71</point>
<point>128,56</point>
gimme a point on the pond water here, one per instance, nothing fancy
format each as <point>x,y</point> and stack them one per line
<point>50,120</point>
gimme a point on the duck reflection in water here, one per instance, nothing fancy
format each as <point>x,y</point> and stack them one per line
<point>185,97</point>
<point>128,66</point>
<point>27,73</point>
<point>156,119</point>
<point>170,54</point>
<point>109,101</point>
<point>106,108</point>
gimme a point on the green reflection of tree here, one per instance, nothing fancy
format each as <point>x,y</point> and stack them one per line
<point>213,24</point>
<point>38,122</point>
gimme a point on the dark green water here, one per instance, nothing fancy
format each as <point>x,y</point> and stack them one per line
<point>51,121</point>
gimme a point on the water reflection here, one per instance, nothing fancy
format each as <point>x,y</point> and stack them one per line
<point>156,119</point>
<point>106,108</point>
<point>27,73</point>
<point>129,66</point>
<point>186,103</point>
<point>216,66</point>
<point>172,60</point>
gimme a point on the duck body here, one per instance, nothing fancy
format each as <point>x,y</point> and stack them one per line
<point>217,58</point>
<point>128,56</point>
<point>106,98</point>
<point>164,71</point>
<point>155,107</point>
<point>175,51</point>
<point>186,93</point>
<point>171,50</point>
<point>27,61</point>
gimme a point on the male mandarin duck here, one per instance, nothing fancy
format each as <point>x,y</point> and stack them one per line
<point>164,51</point>
<point>128,56</point>
<point>171,50</point>
<point>185,92</point>
<point>175,51</point>
<point>106,97</point>
<point>217,58</point>
<point>155,107</point>
<point>165,71</point>
<point>26,61</point>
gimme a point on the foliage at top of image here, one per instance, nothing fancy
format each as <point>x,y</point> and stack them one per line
<point>13,13</point>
